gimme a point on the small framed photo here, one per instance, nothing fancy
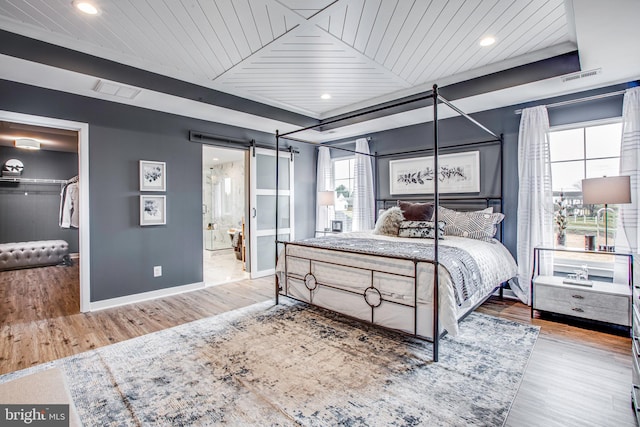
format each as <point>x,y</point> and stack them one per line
<point>153,210</point>
<point>153,176</point>
<point>336,226</point>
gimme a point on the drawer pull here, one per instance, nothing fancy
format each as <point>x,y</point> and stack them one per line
<point>577,296</point>
<point>578,309</point>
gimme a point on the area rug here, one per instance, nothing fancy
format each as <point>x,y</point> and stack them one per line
<point>295,365</point>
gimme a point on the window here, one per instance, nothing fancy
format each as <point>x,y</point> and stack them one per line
<point>343,173</point>
<point>583,151</point>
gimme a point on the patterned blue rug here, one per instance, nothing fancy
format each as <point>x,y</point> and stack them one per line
<point>295,365</point>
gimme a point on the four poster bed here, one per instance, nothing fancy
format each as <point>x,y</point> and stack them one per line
<point>406,279</point>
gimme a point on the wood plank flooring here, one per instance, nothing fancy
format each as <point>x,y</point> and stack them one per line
<point>577,375</point>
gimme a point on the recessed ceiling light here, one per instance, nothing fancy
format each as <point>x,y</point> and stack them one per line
<point>325,96</point>
<point>487,41</point>
<point>215,159</point>
<point>27,143</point>
<point>86,7</point>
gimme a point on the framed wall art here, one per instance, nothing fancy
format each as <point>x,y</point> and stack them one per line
<point>153,210</point>
<point>458,173</point>
<point>153,176</point>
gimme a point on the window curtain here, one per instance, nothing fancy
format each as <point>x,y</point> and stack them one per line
<point>535,198</point>
<point>324,182</point>
<point>363,193</point>
<point>628,229</point>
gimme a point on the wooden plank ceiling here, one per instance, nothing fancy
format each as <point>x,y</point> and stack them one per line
<point>288,53</point>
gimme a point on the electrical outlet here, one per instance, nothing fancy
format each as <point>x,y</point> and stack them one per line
<point>157,271</point>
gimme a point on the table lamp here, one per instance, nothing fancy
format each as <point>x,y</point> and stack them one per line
<point>326,198</point>
<point>606,190</point>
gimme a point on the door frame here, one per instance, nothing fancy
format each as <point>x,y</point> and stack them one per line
<point>83,175</point>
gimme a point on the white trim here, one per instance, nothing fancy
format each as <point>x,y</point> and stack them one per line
<point>83,175</point>
<point>145,296</point>
<point>590,123</point>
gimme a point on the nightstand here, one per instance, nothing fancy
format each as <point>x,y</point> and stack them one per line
<point>602,301</point>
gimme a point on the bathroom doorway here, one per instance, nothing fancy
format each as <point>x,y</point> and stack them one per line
<point>223,215</point>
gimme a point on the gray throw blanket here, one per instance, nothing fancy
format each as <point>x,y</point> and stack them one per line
<point>464,271</point>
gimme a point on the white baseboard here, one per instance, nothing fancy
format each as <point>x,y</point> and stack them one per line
<point>145,296</point>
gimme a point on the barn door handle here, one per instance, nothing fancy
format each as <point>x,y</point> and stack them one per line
<point>254,212</point>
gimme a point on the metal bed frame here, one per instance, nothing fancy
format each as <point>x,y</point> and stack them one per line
<point>372,296</point>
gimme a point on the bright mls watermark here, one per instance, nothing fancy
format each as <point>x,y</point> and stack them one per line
<point>34,415</point>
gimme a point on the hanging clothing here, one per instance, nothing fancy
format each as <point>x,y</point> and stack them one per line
<point>69,205</point>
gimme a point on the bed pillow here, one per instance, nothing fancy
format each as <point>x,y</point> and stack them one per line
<point>486,210</point>
<point>421,229</point>
<point>416,211</point>
<point>475,225</point>
<point>389,221</point>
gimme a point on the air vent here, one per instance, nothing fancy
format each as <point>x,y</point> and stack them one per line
<point>581,75</point>
<point>114,89</point>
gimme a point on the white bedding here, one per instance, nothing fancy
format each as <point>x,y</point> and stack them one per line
<point>343,270</point>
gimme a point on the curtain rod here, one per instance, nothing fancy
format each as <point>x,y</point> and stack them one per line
<point>334,144</point>
<point>575,101</point>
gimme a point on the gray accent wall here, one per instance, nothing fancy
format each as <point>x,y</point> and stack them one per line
<point>31,211</point>
<point>458,130</point>
<point>123,253</point>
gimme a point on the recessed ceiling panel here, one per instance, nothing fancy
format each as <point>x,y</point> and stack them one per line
<point>307,63</point>
<point>287,53</point>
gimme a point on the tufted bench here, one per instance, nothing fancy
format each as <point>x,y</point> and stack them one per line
<point>32,254</point>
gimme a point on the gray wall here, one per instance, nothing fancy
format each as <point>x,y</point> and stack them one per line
<point>123,253</point>
<point>504,121</point>
<point>31,211</point>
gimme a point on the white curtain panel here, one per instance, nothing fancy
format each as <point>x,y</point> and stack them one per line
<point>535,198</point>
<point>628,230</point>
<point>363,193</point>
<point>324,182</point>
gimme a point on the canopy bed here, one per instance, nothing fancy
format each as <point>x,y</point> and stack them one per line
<point>427,274</point>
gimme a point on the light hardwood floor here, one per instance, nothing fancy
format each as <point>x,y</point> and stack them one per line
<point>577,376</point>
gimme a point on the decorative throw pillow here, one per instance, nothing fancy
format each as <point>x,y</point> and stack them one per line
<point>389,221</point>
<point>416,211</point>
<point>421,229</point>
<point>475,225</point>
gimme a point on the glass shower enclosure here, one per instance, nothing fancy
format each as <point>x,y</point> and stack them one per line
<point>223,204</point>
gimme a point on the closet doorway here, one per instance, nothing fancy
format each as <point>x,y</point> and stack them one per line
<point>223,215</point>
<point>32,184</point>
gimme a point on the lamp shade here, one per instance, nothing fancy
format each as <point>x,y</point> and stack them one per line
<point>606,190</point>
<point>325,198</point>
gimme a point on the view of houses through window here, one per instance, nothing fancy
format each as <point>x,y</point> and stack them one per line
<point>585,151</point>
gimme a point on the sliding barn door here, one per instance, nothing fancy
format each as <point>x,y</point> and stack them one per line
<point>263,208</point>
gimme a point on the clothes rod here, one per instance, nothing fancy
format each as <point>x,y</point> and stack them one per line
<point>33,180</point>
<point>575,101</point>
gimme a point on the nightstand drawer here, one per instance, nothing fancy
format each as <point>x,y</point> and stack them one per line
<point>582,303</point>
